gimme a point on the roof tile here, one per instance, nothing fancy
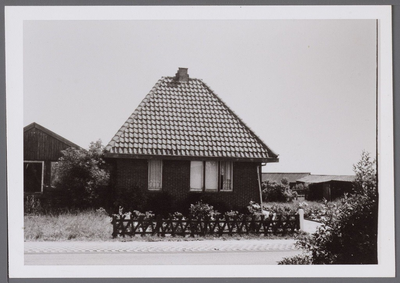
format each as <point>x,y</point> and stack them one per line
<point>186,119</point>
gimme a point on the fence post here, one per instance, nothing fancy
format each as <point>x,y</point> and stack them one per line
<point>114,224</point>
<point>301,219</point>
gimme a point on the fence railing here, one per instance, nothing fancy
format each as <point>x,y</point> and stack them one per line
<point>124,225</point>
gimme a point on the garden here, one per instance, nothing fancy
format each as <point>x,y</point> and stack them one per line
<point>75,212</point>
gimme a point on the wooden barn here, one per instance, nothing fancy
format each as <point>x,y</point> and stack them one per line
<point>182,140</point>
<point>42,149</point>
<point>329,187</point>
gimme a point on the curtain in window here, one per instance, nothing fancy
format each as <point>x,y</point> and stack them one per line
<point>211,175</point>
<point>227,176</point>
<point>155,174</point>
<point>196,175</point>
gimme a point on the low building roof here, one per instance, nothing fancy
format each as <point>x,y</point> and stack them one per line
<point>277,177</point>
<point>50,133</point>
<point>313,179</point>
<point>183,117</point>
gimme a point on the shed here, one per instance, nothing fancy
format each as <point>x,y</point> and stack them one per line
<point>328,187</point>
<point>42,149</point>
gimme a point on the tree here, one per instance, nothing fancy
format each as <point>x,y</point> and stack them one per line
<point>348,234</point>
<point>83,176</point>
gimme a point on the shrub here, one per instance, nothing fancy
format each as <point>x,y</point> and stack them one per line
<point>160,203</point>
<point>205,198</point>
<point>348,234</point>
<point>302,259</point>
<point>131,198</point>
<point>302,189</point>
<point>202,210</point>
<point>273,191</point>
<point>82,177</point>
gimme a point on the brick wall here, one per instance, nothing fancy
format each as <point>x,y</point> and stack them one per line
<point>130,173</point>
<point>176,181</point>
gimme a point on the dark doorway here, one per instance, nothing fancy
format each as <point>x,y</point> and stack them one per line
<point>33,177</point>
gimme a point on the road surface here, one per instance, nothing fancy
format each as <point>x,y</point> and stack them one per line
<point>207,252</point>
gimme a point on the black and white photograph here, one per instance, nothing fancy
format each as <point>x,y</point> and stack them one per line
<point>254,141</point>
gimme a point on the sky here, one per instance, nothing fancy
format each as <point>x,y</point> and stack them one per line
<point>305,87</point>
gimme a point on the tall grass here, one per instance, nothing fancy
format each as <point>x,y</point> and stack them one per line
<point>88,225</point>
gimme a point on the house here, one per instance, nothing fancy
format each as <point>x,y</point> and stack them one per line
<point>328,187</point>
<point>183,140</point>
<point>277,177</point>
<point>42,149</point>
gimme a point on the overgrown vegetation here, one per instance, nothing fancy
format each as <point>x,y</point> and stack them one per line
<point>90,225</point>
<point>348,234</point>
<point>82,178</point>
<point>313,210</point>
<point>279,192</point>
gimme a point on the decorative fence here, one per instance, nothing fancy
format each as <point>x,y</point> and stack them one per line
<point>180,226</point>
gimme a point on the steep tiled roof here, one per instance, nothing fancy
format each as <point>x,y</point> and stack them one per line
<point>183,117</point>
<point>313,179</point>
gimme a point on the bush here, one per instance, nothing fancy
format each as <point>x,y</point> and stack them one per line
<point>302,259</point>
<point>205,198</point>
<point>83,177</point>
<point>302,189</point>
<point>131,198</point>
<point>273,191</point>
<point>202,210</point>
<point>348,234</point>
<point>160,203</point>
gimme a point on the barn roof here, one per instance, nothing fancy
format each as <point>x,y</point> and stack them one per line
<point>183,117</point>
<point>277,177</point>
<point>50,133</point>
<point>312,179</point>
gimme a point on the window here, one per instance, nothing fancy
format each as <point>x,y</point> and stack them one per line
<point>211,179</point>
<point>196,175</point>
<point>53,173</point>
<point>155,174</point>
<point>33,176</point>
<point>211,176</point>
<point>226,176</point>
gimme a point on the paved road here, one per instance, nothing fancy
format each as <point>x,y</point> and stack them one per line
<point>195,258</point>
<point>159,253</point>
<point>209,252</point>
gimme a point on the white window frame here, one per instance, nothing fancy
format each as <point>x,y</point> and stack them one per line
<point>42,177</point>
<point>148,175</point>
<point>219,177</point>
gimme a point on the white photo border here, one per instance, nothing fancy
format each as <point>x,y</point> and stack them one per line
<point>14,18</point>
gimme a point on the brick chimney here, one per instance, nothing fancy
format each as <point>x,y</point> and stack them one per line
<point>182,75</point>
